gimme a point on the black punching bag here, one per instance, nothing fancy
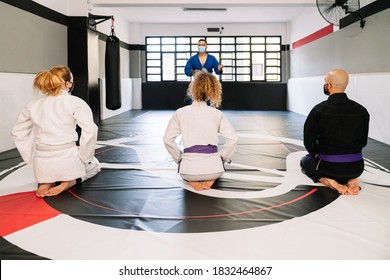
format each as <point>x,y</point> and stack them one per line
<point>113,78</point>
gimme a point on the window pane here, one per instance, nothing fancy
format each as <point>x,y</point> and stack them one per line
<point>179,70</point>
<point>227,70</point>
<point>213,40</point>
<point>243,47</point>
<point>195,40</point>
<point>226,62</point>
<point>273,40</point>
<point>273,70</point>
<point>154,70</point>
<point>152,41</point>
<point>228,55</point>
<point>153,63</point>
<point>153,48</point>
<point>273,55</point>
<point>258,66</point>
<point>227,77</point>
<point>245,62</point>
<point>243,78</point>
<point>273,47</point>
<point>258,40</point>
<point>182,55</point>
<point>227,40</point>
<point>213,48</point>
<point>243,55</point>
<point>154,78</point>
<point>180,62</point>
<point>273,62</point>
<point>258,48</point>
<point>183,40</point>
<point>258,58</point>
<point>168,48</point>
<point>168,41</point>
<point>228,48</point>
<point>242,40</point>
<point>182,78</point>
<point>153,55</point>
<point>243,70</point>
<point>168,63</point>
<point>183,48</point>
<point>273,77</point>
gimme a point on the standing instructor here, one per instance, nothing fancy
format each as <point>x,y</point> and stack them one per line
<point>202,61</point>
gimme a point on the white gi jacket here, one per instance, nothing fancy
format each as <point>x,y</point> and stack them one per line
<point>45,135</point>
<point>200,124</point>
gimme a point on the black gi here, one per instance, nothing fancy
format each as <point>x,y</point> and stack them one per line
<point>335,132</point>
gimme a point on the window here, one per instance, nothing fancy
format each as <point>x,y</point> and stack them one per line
<point>245,58</point>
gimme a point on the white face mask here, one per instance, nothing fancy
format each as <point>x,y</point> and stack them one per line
<point>201,49</point>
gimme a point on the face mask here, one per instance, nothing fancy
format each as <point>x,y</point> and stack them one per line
<point>201,49</point>
<point>326,90</point>
<point>71,88</point>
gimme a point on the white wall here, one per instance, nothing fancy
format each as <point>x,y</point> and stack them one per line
<point>59,6</point>
<point>121,27</point>
<point>15,91</point>
<point>81,8</point>
<point>126,98</point>
<point>372,90</point>
<point>235,29</point>
<point>66,7</point>
<point>306,24</point>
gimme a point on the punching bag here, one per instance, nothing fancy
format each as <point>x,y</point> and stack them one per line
<point>113,78</point>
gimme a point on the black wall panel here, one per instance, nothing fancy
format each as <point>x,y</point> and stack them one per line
<point>236,96</point>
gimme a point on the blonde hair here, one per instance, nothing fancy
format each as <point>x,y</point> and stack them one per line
<point>50,82</point>
<point>205,87</point>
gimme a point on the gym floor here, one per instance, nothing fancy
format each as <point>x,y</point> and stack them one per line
<point>139,208</point>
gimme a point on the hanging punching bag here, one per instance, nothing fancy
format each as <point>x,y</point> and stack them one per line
<point>113,78</point>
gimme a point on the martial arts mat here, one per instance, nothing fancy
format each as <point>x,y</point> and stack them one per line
<point>139,208</point>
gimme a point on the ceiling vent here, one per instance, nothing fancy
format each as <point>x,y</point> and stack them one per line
<point>204,9</point>
<point>213,29</point>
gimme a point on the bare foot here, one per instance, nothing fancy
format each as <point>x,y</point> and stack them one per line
<point>330,183</point>
<point>208,184</point>
<point>43,188</point>
<point>353,186</point>
<point>196,185</point>
<point>60,188</point>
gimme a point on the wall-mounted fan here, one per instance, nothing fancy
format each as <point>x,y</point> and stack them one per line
<point>334,10</point>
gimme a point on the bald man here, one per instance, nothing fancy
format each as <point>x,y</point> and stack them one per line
<point>335,132</point>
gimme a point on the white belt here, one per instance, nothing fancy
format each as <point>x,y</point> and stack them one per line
<point>41,147</point>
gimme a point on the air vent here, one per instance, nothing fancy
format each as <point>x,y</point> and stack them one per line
<point>212,29</point>
<point>204,9</point>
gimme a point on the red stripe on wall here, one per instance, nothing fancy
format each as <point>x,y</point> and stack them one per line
<point>312,37</point>
<point>22,210</point>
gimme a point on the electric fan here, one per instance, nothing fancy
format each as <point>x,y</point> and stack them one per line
<point>334,10</point>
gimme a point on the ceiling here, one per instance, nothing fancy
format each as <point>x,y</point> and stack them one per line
<point>206,11</point>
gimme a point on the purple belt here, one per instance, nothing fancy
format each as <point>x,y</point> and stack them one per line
<point>342,158</point>
<point>202,149</point>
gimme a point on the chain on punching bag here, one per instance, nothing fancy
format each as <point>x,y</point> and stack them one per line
<point>113,78</point>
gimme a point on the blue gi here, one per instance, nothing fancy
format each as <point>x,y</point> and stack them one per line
<point>194,64</point>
